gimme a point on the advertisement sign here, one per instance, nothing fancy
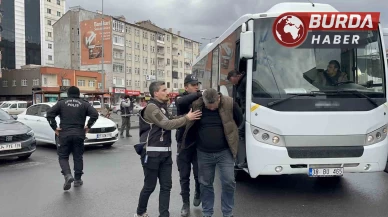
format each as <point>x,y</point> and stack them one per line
<point>91,41</point>
<point>119,90</point>
<point>132,92</point>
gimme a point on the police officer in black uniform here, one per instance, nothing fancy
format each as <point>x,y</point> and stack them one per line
<point>187,157</point>
<point>155,147</point>
<point>71,133</point>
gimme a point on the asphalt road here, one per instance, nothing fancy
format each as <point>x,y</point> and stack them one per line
<point>113,178</point>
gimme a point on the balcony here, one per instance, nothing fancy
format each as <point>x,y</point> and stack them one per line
<point>174,46</point>
<point>187,60</point>
<point>160,43</point>
<point>160,54</point>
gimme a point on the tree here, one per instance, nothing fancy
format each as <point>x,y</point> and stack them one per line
<point>62,75</point>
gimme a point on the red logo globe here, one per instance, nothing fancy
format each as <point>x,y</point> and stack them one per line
<point>289,30</point>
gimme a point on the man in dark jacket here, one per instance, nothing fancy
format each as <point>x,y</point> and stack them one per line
<point>71,133</point>
<point>155,136</point>
<point>187,157</point>
<point>215,136</point>
<point>126,108</point>
<point>239,79</point>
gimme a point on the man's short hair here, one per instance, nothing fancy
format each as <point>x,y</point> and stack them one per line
<point>233,73</point>
<point>210,96</point>
<point>155,87</point>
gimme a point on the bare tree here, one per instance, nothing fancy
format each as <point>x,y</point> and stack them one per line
<point>62,75</point>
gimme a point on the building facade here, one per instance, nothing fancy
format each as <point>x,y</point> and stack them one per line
<point>134,54</point>
<point>26,33</point>
<point>18,84</point>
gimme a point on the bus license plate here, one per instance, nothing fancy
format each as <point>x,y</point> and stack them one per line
<point>103,135</point>
<point>321,172</point>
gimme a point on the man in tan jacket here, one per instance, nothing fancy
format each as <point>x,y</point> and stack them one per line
<point>215,136</point>
<point>332,75</point>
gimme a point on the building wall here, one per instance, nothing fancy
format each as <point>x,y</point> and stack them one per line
<point>18,75</point>
<point>20,39</point>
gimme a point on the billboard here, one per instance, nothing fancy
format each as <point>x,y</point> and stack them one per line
<point>91,41</point>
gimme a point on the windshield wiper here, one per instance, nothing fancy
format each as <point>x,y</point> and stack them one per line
<point>290,97</point>
<point>354,92</point>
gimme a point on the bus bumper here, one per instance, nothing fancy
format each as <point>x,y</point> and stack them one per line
<point>263,159</point>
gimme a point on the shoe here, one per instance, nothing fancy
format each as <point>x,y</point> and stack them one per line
<point>78,183</point>
<point>68,180</point>
<point>185,210</point>
<point>197,200</point>
<point>129,135</point>
<point>144,215</point>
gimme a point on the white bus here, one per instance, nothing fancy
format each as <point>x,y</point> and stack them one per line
<point>294,126</point>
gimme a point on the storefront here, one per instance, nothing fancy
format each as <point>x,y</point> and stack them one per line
<point>135,93</point>
<point>118,93</point>
<point>172,96</point>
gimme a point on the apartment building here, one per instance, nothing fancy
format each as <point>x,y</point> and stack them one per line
<point>1,30</point>
<point>134,54</point>
<point>26,37</point>
<point>17,84</point>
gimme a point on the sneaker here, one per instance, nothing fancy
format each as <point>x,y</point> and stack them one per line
<point>144,215</point>
<point>185,211</point>
<point>197,200</point>
<point>78,183</point>
<point>68,180</point>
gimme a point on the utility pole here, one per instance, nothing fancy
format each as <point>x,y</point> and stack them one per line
<point>102,49</point>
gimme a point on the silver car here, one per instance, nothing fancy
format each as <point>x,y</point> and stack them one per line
<point>16,139</point>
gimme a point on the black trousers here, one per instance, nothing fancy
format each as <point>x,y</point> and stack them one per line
<point>185,159</point>
<point>75,145</point>
<point>156,168</point>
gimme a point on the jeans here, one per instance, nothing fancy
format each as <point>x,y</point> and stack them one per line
<point>67,145</point>
<point>125,124</point>
<point>185,159</point>
<point>207,163</point>
<point>156,168</point>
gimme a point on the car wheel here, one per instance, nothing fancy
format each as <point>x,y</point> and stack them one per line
<point>24,157</point>
<point>108,145</point>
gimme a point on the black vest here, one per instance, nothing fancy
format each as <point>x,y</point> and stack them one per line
<point>180,111</point>
<point>157,137</point>
<point>125,110</point>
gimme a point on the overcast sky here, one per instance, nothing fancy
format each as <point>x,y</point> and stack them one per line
<point>198,19</point>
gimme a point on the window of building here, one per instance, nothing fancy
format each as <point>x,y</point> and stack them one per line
<point>129,57</point>
<point>118,67</point>
<point>81,83</point>
<point>50,57</point>
<point>49,34</point>
<point>168,84</point>
<point>13,83</point>
<point>91,83</point>
<point>99,85</point>
<point>118,54</point>
<point>35,82</point>
<point>168,61</point>
<point>137,71</point>
<point>145,34</point>
<point>137,32</point>
<point>48,10</point>
<point>128,29</point>
<point>49,22</point>
<point>137,45</point>
<point>50,46</point>
<point>129,83</point>
<point>129,43</point>
<point>145,47</point>
<point>45,81</point>
<point>58,2</point>
<point>118,26</point>
<point>144,71</point>
<point>137,83</point>
<point>65,82</point>
<point>145,60</point>
<point>118,40</point>
<point>168,38</point>
<point>24,83</point>
<point>58,13</point>
<point>129,70</point>
<point>137,58</point>
<point>48,0</point>
<point>5,83</point>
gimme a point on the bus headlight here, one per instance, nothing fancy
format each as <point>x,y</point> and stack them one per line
<point>267,137</point>
<point>376,136</point>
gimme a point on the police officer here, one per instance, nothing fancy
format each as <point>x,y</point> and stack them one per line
<point>187,157</point>
<point>71,133</point>
<point>155,138</point>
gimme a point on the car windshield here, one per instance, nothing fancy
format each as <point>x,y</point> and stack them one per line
<point>4,116</point>
<point>5,105</point>
<point>96,103</point>
<point>280,70</point>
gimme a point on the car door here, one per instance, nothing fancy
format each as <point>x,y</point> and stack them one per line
<point>44,125</point>
<point>22,106</point>
<point>31,119</point>
<point>12,110</point>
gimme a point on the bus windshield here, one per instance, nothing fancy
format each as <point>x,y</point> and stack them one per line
<point>279,71</point>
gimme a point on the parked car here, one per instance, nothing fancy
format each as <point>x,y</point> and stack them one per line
<point>14,107</point>
<point>96,104</point>
<point>103,132</point>
<point>136,109</point>
<point>16,139</point>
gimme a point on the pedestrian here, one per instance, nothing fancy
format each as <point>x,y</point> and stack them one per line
<point>187,157</point>
<point>71,132</point>
<point>126,108</point>
<point>215,136</point>
<point>155,147</point>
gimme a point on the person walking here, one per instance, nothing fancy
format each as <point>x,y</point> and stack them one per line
<point>187,157</point>
<point>155,147</point>
<point>71,133</point>
<point>126,108</point>
<point>215,136</point>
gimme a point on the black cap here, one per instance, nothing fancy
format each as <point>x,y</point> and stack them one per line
<point>191,79</point>
<point>73,91</point>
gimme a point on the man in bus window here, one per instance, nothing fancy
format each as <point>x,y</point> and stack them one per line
<point>239,79</point>
<point>332,75</point>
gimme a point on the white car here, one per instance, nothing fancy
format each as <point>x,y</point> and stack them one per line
<point>14,107</point>
<point>103,132</point>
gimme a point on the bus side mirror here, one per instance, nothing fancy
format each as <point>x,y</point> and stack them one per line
<point>246,43</point>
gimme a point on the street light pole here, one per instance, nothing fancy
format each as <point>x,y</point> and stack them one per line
<point>102,49</point>
<point>210,39</point>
